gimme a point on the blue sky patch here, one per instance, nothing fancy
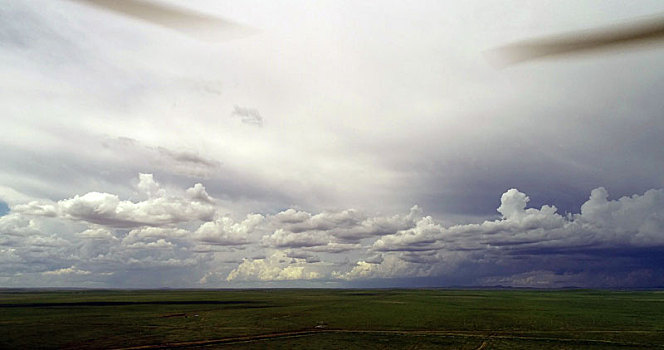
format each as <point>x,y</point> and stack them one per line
<point>4,208</point>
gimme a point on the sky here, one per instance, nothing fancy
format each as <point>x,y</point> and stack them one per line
<point>334,144</point>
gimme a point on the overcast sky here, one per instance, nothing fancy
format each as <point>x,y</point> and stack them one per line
<point>339,144</point>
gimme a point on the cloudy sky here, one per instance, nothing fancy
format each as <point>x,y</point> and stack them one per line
<point>328,144</point>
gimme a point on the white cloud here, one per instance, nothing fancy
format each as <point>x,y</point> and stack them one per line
<point>224,231</point>
<point>334,247</point>
<point>348,225</point>
<point>148,233</point>
<point>423,236</point>
<point>160,209</point>
<point>67,271</point>
<point>98,233</point>
<point>198,193</point>
<point>35,241</point>
<point>158,244</point>
<point>107,209</point>
<point>277,267</point>
<point>332,231</point>
<point>148,186</point>
<point>12,196</point>
<point>390,267</point>
<point>513,204</point>
<point>540,237</point>
<point>286,239</point>
<point>635,220</point>
<point>17,225</point>
<point>37,208</point>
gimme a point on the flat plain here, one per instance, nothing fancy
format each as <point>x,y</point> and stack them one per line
<point>332,319</point>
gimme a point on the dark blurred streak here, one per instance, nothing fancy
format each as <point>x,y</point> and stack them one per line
<point>643,32</point>
<point>194,24</point>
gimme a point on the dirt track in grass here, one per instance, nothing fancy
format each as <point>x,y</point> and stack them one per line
<point>306,333</point>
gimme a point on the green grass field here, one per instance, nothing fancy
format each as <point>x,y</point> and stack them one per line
<point>366,319</point>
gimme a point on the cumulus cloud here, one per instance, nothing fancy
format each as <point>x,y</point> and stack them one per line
<point>102,237</point>
<point>349,225</point>
<point>285,239</point>
<point>224,231</point>
<point>30,246</point>
<point>151,233</point>
<point>423,236</point>
<point>199,194</point>
<point>513,203</point>
<point>334,247</point>
<point>108,209</point>
<point>277,267</point>
<point>96,234</point>
<point>635,220</point>
<point>528,237</point>
<point>158,244</point>
<point>148,186</point>
<point>331,231</point>
<point>67,271</point>
<point>159,209</point>
<point>37,208</point>
<point>389,267</point>
<point>17,225</point>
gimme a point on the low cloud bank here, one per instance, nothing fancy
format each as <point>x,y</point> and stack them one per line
<point>186,237</point>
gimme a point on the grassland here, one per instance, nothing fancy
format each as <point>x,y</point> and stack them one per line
<point>346,319</point>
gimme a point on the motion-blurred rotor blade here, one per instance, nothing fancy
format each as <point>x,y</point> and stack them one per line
<point>195,24</point>
<point>636,33</point>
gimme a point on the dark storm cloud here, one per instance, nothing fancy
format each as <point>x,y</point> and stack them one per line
<point>574,125</point>
<point>622,237</point>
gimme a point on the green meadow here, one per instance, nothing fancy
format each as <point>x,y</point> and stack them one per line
<point>332,319</point>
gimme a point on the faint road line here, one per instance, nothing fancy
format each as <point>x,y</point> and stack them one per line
<point>295,334</point>
<point>483,345</point>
